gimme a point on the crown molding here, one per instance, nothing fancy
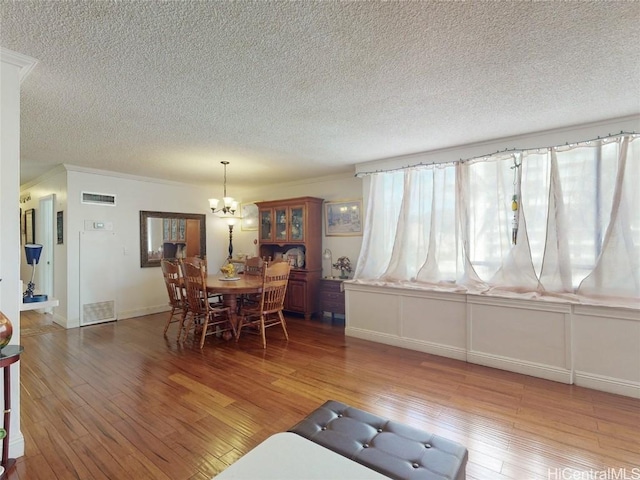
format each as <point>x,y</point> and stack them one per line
<point>24,62</point>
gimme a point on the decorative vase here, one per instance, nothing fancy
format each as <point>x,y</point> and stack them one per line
<point>343,275</point>
<point>6,330</point>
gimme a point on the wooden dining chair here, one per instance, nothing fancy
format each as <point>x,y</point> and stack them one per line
<point>268,312</point>
<point>205,318</point>
<point>197,261</point>
<point>171,274</point>
<point>214,298</point>
<point>252,266</point>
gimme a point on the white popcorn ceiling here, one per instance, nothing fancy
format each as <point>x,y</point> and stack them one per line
<point>292,90</point>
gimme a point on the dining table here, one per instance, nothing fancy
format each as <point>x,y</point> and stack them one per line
<point>232,288</point>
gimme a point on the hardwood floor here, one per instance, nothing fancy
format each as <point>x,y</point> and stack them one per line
<point>119,401</point>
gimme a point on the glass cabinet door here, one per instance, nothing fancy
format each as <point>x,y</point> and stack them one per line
<point>266,225</point>
<point>281,224</point>
<point>296,232</point>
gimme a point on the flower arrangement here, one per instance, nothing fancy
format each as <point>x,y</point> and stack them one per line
<point>344,265</point>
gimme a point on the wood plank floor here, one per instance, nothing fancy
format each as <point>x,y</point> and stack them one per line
<point>119,401</point>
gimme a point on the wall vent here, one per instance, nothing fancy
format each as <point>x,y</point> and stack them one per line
<point>98,312</point>
<point>99,198</point>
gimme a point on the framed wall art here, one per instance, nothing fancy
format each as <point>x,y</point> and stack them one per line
<point>343,218</point>
<point>59,228</point>
<point>249,212</point>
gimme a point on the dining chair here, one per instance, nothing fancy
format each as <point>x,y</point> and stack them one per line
<point>197,261</point>
<point>171,274</point>
<point>205,318</point>
<point>268,312</point>
<point>214,298</point>
<point>252,266</point>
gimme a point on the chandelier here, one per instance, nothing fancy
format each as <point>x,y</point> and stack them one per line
<point>229,204</point>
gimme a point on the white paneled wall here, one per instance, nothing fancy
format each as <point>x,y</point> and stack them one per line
<point>595,347</point>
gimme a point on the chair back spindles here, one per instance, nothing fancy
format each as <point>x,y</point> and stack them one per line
<point>274,288</point>
<point>253,266</point>
<point>201,315</point>
<point>268,312</point>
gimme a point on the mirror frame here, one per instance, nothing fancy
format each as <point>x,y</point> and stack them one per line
<point>145,215</point>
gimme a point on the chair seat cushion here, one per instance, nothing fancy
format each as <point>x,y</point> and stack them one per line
<point>394,449</point>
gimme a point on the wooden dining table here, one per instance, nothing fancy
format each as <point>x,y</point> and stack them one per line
<point>231,289</point>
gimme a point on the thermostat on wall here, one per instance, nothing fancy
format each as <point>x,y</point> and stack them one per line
<point>97,225</point>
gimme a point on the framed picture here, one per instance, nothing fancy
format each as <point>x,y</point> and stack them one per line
<point>59,228</point>
<point>30,226</point>
<point>249,216</point>
<point>343,218</point>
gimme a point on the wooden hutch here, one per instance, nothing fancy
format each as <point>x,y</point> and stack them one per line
<point>292,229</point>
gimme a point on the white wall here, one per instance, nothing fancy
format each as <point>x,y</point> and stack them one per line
<point>14,68</point>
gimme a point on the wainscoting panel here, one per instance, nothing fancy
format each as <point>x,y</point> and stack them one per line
<point>595,347</point>
<point>607,349</point>
<point>376,312</point>
<point>515,330</point>
<point>435,321</point>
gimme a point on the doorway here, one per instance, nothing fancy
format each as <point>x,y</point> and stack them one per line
<point>44,235</point>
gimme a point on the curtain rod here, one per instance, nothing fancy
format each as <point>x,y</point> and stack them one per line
<point>506,150</point>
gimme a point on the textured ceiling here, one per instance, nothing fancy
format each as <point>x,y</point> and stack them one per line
<point>290,90</point>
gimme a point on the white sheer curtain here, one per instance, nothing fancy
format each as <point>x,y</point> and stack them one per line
<point>577,224</point>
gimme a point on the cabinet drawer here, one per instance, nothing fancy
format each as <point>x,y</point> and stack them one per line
<point>332,297</point>
<point>331,286</point>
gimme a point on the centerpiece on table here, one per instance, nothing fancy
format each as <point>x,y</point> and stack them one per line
<point>344,265</point>
<point>228,270</point>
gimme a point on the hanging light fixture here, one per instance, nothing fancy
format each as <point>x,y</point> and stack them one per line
<point>229,204</point>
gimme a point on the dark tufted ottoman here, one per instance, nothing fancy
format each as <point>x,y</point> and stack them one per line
<point>390,448</point>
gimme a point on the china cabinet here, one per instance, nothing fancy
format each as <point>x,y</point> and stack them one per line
<point>291,230</point>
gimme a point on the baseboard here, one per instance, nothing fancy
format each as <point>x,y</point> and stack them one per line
<point>539,370</point>
<point>409,343</point>
<point>16,444</point>
<point>141,312</point>
<point>607,384</point>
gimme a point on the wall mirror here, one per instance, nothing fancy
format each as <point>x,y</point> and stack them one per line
<point>171,235</point>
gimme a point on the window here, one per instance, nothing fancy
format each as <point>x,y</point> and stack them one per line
<point>578,222</point>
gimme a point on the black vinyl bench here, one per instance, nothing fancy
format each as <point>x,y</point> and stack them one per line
<point>391,448</point>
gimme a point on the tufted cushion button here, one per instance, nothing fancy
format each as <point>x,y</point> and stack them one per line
<point>366,445</point>
<point>427,445</point>
<point>379,430</point>
<point>323,428</point>
<point>415,465</point>
<point>339,415</point>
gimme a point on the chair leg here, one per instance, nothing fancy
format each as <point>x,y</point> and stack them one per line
<point>239,327</point>
<point>186,326</point>
<point>262,329</point>
<point>181,326</point>
<point>284,324</point>
<point>205,325</point>
<point>166,327</point>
